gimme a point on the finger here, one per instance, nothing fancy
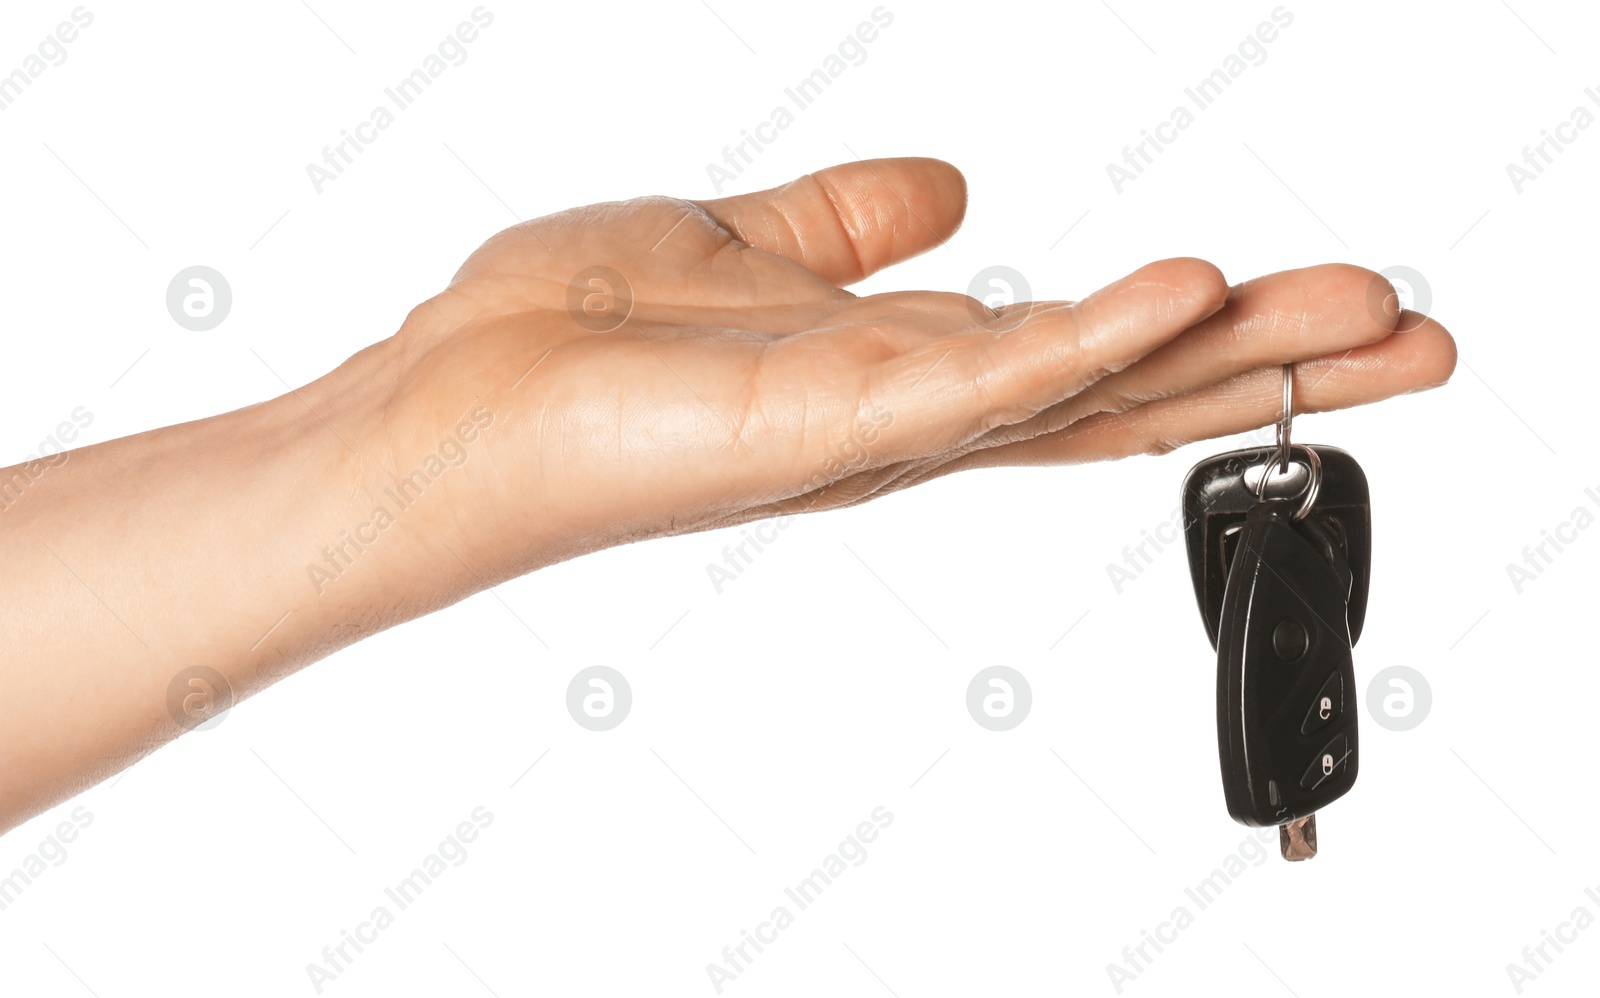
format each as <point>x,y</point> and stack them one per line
<point>953,389</point>
<point>849,221</point>
<point>1297,315</point>
<point>1421,357</point>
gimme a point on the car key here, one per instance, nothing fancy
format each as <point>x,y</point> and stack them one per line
<point>1284,671</point>
<point>1279,551</point>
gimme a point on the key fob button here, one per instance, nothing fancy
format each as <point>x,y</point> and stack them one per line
<point>1329,761</point>
<point>1327,705</point>
<point>1289,639</point>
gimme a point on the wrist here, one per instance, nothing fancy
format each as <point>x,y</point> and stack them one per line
<point>389,480</point>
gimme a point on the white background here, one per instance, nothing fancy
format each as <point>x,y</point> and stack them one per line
<point>770,720</point>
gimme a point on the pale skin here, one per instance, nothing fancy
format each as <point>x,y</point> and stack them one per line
<point>736,389</point>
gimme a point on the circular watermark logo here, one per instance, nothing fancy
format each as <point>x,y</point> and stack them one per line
<point>998,289</point>
<point>1401,289</point>
<point>599,698</point>
<point>199,298</point>
<point>599,299</point>
<point>198,698</point>
<point>1399,698</point>
<point>999,698</point>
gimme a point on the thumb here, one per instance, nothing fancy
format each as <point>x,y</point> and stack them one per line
<point>849,221</point>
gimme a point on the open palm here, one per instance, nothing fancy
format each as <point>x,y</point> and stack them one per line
<point>659,366</point>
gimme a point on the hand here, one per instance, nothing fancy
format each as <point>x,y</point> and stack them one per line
<point>723,375</point>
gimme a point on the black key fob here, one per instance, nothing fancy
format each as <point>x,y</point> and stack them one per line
<point>1286,718</point>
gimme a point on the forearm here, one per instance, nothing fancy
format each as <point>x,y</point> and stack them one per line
<point>135,559</point>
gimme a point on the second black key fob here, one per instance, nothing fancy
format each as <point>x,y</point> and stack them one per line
<point>1286,723</point>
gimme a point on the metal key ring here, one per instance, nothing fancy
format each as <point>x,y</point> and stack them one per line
<point>1313,481</point>
<point>1286,449</point>
<point>1286,421</point>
